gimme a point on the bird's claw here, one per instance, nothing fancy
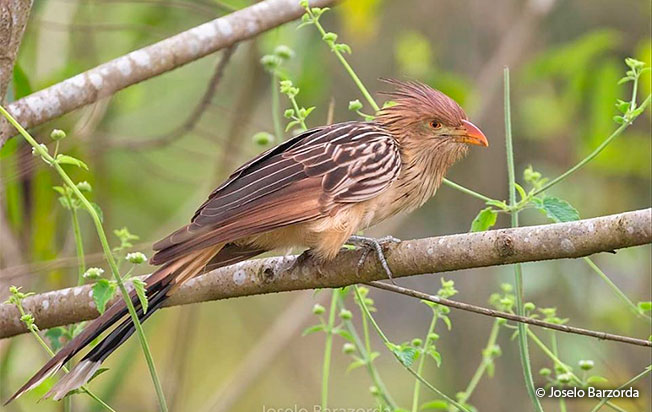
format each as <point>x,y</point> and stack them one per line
<point>369,243</point>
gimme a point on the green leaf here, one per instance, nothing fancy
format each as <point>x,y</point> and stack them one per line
<point>559,210</point>
<point>345,334</point>
<point>645,306</point>
<point>485,219</point>
<point>622,106</point>
<point>77,329</point>
<point>596,380</point>
<point>447,321</point>
<point>54,335</point>
<point>435,355</point>
<point>355,364</point>
<point>407,355</point>
<point>98,210</point>
<point>438,404</point>
<point>520,190</point>
<point>69,160</point>
<point>102,292</point>
<point>312,329</point>
<point>139,287</point>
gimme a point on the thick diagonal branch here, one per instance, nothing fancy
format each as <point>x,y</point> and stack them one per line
<point>414,257</point>
<point>158,58</point>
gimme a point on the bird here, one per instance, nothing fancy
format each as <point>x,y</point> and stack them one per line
<point>315,190</point>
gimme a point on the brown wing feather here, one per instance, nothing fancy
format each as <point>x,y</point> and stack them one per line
<point>304,179</point>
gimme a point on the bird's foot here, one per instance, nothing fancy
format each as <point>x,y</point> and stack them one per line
<point>299,261</point>
<point>368,244</point>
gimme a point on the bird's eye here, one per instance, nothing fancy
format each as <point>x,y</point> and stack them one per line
<point>435,125</point>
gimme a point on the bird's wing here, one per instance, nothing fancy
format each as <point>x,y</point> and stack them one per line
<point>310,176</point>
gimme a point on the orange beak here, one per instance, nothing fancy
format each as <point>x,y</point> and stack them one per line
<point>473,134</point>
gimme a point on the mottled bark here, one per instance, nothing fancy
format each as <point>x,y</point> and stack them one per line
<point>13,19</point>
<point>414,257</point>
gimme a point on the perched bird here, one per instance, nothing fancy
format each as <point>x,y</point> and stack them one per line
<point>314,190</point>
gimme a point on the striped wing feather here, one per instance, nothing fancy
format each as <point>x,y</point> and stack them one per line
<point>305,178</point>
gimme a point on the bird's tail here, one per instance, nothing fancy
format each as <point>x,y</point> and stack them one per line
<point>159,285</point>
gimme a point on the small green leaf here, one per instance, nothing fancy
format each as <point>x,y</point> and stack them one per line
<point>645,306</point>
<point>355,364</point>
<point>312,329</point>
<point>97,373</point>
<point>485,219</point>
<point>437,404</point>
<point>98,211</point>
<point>520,190</point>
<point>596,380</point>
<point>103,291</point>
<point>54,335</point>
<point>559,210</point>
<point>622,106</point>
<point>69,160</point>
<point>345,334</point>
<point>139,287</point>
<point>619,119</point>
<point>435,355</point>
<point>447,321</point>
<point>407,355</point>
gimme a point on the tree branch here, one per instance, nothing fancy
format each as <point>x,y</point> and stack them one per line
<point>509,316</point>
<point>437,254</point>
<point>163,56</point>
<point>13,19</point>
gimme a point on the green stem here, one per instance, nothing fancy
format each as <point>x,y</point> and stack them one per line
<point>81,269</point>
<point>301,120</point>
<point>553,343</point>
<point>106,249</point>
<point>387,343</point>
<point>347,66</point>
<point>81,262</point>
<point>328,349</point>
<point>276,104</point>
<point>45,346</point>
<point>647,370</point>
<point>616,289</point>
<point>595,152</point>
<point>417,384</point>
<point>365,351</point>
<point>467,190</point>
<point>484,364</point>
<point>518,270</point>
<point>549,353</point>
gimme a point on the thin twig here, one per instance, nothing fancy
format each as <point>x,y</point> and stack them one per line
<point>510,316</point>
<point>194,117</point>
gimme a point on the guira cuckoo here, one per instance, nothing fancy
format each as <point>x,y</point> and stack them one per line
<point>314,190</point>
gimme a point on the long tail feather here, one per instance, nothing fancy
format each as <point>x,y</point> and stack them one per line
<point>159,285</point>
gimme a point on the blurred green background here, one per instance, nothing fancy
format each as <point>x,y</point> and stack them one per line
<point>566,58</point>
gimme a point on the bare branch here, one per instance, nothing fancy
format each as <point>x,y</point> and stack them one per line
<point>438,254</point>
<point>194,117</point>
<point>509,316</point>
<point>163,56</point>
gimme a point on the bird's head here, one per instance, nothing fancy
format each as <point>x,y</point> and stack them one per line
<point>424,117</point>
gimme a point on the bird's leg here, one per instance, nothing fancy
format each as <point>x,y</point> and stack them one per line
<point>300,260</point>
<point>368,244</point>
